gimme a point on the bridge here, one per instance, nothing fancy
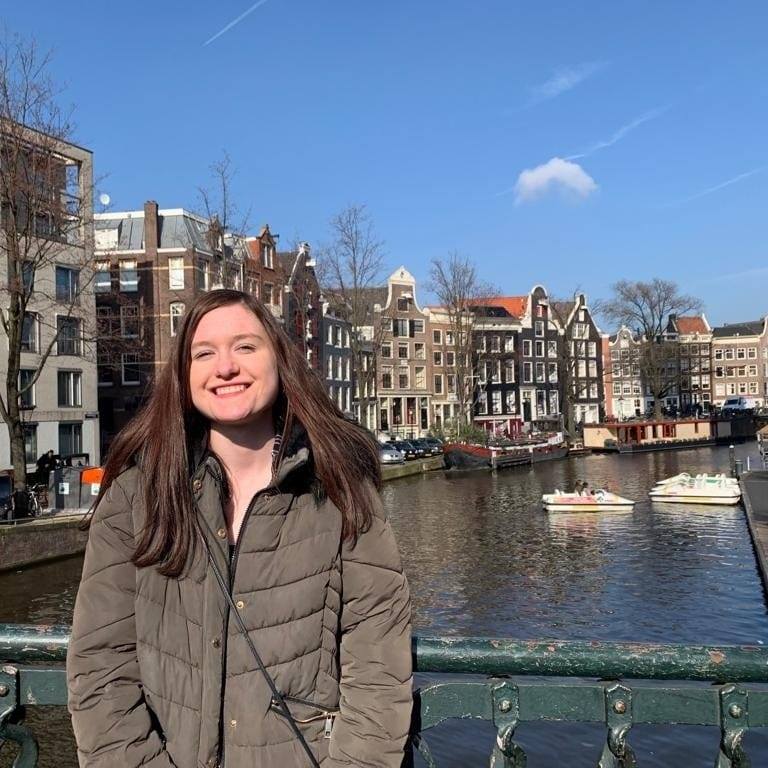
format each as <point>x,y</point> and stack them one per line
<point>590,682</point>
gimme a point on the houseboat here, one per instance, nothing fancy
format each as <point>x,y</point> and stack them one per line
<point>503,454</point>
<point>637,436</point>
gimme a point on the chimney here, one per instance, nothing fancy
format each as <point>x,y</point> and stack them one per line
<point>151,228</point>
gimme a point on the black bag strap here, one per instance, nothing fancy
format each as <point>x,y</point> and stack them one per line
<point>277,704</point>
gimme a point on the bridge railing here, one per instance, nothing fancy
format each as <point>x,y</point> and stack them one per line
<point>583,682</point>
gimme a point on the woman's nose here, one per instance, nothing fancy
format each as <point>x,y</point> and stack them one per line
<point>227,366</point>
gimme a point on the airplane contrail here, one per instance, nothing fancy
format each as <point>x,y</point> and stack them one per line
<point>234,21</point>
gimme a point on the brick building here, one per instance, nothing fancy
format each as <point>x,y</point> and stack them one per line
<point>694,338</point>
<point>739,359</point>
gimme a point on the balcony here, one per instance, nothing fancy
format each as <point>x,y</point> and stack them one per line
<point>589,682</point>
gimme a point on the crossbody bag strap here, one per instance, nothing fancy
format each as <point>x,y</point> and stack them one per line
<point>278,702</point>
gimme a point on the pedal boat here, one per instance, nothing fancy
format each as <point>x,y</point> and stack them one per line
<point>600,501</point>
<point>703,489</point>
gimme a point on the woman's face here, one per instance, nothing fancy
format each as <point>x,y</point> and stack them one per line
<point>233,375</point>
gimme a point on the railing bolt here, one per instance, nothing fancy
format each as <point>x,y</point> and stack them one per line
<point>735,711</point>
<point>505,705</point>
<point>4,690</point>
<point>620,706</point>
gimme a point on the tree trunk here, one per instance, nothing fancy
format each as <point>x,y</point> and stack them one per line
<point>657,415</point>
<point>18,454</point>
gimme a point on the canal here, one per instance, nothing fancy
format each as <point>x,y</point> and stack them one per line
<point>483,559</point>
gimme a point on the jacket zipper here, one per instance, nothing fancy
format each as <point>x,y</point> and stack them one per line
<point>232,567</point>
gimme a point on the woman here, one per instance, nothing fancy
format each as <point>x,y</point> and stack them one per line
<point>239,524</point>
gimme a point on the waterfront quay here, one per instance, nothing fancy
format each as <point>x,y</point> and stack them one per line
<point>573,601</point>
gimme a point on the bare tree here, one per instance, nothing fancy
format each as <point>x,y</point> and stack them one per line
<point>645,307</point>
<point>455,283</point>
<point>45,210</point>
<point>350,270</point>
<point>227,224</point>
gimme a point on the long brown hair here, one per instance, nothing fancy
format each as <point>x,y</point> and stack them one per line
<point>157,440</point>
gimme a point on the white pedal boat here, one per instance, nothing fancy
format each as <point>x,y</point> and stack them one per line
<point>703,489</point>
<point>600,501</point>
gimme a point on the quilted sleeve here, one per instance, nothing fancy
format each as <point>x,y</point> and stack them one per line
<point>375,653</point>
<point>110,718</point>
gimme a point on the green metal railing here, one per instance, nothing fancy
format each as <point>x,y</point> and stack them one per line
<point>589,685</point>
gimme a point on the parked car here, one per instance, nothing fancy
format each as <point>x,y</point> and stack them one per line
<point>390,455</point>
<point>431,446</point>
<point>405,448</point>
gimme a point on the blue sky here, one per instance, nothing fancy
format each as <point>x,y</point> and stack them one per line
<point>569,144</point>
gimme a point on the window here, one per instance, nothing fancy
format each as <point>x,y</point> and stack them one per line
<point>451,382</point>
<point>268,293</point>
<point>495,343</point>
<point>129,322</point>
<point>449,338</point>
<point>752,353</point>
<point>551,349</point>
<point>67,284</point>
<point>68,341</point>
<point>509,343</point>
<point>386,324</point>
<point>729,354</point>
<point>552,373</point>
<point>539,310</point>
<point>129,364</point>
<point>482,404</point>
<point>496,402</point>
<point>70,389</point>
<point>450,359</point>
<point>539,372</point>
<point>509,372</point>
<point>129,276</point>
<point>26,398</point>
<point>418,350</point>
<point>718,354</point>
<point>402,351</point>
<point>401,327</point>
<point>741,353</point>
<point>386,378</point>
<point>418,326</point>
<point>30,333</point>
<point>751,370</point>
<point>527,373</point>
<point>70,438</point>
<point>266,255</point>
<point>28,276</point>
<point>437,358</point>
<point>526,348</point>
<point>539,347</point>
<point>30,443</point>
<point>437,337</point>
<point>402,378</point>
<point>511,404</point>
<point>593,390</point>
<point>539,327</point>
<point>592,349</point>
<point>438,382</point>
<point>420,377</point>
<point>201,277</point>
<point>592,368</point>
<point>616,388</point>
<point>175,272</point>
<point>176,312</point>
<point>402,304</point>
<point>554,402</point>
<point>386,349</point>
<point>102,280</point>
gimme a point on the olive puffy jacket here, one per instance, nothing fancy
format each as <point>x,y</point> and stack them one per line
<point>160,676</point>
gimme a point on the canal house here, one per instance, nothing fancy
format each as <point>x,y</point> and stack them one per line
<point>694,339</point>
<point>625,393</point>
<point>740,361</point>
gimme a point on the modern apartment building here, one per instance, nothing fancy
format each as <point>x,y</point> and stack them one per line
<point>60,410</point>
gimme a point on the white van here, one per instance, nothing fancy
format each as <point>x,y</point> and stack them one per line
<point>739,404</point>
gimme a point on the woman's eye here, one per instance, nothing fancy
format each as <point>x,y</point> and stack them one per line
<point>246,348</point>
<point>201,354</point>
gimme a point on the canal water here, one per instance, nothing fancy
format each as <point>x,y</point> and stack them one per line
<point>483,559</point>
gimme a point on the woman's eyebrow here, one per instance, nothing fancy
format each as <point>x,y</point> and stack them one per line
<point>238,337</point>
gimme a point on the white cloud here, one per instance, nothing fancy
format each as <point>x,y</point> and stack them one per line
<point>556,174</point>
<point>564,80</point>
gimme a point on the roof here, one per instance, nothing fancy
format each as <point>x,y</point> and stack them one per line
<point>749,328</point>
<point>514,305</point>
<point>692,324</point>
<point>177,229</point>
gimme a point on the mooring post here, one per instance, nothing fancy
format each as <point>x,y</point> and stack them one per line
<point>732,459</point>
